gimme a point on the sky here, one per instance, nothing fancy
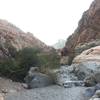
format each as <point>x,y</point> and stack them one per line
<point>48,20</point>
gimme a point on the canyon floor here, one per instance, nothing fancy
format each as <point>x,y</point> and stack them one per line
<point>49,93</point>
<point>15,91</point>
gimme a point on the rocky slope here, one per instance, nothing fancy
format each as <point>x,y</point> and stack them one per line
<point>87,34</point>
<point>12,37</point>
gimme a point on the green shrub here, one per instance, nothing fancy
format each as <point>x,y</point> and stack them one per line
<point>16,67</point>
<point>26,58</point>
<point>49,61</point>
<point>8,67</point>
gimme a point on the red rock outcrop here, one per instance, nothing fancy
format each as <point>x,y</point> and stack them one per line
<point>87,34</point>
<point>13,37</point>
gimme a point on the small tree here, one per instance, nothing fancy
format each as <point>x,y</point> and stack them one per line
<point>27,58</point>
<point>8,67</point>
<point>17,67</point>
<point>49,61</point>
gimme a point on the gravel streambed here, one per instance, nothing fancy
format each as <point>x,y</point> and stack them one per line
<point>49,93</point>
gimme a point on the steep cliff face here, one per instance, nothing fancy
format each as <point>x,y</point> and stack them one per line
<point>12,37</point>
<point>88,32</point>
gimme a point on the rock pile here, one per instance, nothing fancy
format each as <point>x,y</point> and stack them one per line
<point>65,77</point>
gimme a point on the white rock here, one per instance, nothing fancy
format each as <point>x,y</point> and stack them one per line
<point>1,97</point>
<point>96,99</point>
<point>97,93</point>
<point>12,91</point>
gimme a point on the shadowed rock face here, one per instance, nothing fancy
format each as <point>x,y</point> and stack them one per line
<point>12,37</point>
<point>88,31</point>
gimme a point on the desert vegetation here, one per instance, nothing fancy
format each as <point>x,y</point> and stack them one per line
<point>17,66</point>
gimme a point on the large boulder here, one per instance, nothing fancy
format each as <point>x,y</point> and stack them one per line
<point>38,80</point>
<point>35,79</point>
<point>87,66</point>
<point>89,92</point>
<point>93,92</point>
<point>82,47</point>
<point>96,94</point>
<point>92,54</point>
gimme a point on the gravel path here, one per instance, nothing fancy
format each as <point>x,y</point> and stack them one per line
<point>49,93</point>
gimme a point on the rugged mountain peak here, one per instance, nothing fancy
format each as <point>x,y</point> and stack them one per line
<point>94,7</point>
<point>87,34</point>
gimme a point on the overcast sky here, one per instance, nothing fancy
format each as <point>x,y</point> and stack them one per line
<point>48,20</point>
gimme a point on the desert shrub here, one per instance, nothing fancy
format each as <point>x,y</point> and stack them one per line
<point>8,67</point>
<point>49,61</point>
<point>26,58</point>
<point>17,67</point>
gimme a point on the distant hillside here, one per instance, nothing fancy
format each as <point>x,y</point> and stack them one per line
<point>13,37</point>
<point>60,44</point>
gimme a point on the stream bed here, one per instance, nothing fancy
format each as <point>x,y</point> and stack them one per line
<point>49,93</point>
